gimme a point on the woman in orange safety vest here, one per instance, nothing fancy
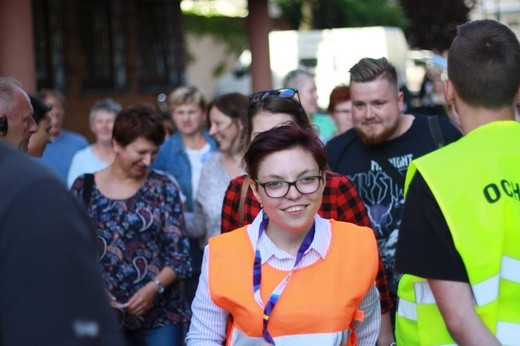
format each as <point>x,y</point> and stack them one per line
<point>291,277</point>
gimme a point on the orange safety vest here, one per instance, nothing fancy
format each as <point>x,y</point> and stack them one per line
<point>320,299</point>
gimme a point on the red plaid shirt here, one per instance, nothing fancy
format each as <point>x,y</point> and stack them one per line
<point>340,202</point>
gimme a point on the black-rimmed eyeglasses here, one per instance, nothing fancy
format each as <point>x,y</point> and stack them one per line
<point>280,188</point>
<point>285,93</point>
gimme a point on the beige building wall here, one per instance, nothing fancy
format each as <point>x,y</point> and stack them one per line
<point>205,54</point>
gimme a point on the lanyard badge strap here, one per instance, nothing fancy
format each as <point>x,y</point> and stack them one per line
<point>257,277</point>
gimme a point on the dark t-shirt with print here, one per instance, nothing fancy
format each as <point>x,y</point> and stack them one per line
<point>381,187</point>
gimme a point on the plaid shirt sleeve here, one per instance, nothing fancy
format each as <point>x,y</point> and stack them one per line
<point>230,214</point>
<point>251,207</point>
<point>341,202</point>
<point>230,217</point>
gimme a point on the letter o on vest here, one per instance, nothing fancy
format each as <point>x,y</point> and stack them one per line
<point>492,193</point>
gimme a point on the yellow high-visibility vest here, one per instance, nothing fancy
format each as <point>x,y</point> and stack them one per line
<point>476,182</point>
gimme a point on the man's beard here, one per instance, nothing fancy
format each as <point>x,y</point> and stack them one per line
<point>380,137</point>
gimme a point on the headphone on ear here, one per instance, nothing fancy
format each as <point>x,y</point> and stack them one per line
<point>4,125</point>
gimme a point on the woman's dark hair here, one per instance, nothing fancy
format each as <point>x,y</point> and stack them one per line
<point>274,104</point>
<point>138,121</point>
<point>282,137</point>
<point>40,109</point>
<point>234,105</point>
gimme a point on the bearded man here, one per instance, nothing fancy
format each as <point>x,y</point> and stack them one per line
<point>376,152</point>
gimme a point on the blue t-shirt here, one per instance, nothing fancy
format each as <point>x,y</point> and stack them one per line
<point>58,154</point>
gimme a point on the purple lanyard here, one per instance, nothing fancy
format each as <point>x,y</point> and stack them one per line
<point>257,277</point>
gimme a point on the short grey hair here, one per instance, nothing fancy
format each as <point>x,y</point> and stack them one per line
<point>295,78</point>
<point>107,104</point>
<point>8,86</point>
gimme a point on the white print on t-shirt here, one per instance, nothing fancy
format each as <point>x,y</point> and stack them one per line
<point>384,199</point>
<point>401,163</point>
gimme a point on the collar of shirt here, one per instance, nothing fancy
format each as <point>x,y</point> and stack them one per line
<point>268,250</point>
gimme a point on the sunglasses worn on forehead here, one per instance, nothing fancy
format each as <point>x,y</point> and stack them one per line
<point>285,93</point>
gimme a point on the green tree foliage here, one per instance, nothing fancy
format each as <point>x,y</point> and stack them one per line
<point>433,24</point>
<point>328,14</point>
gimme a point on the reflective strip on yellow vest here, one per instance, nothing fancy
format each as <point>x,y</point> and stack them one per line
<point>319,302</point>
<point>484,293</point>
<point>479,196</point>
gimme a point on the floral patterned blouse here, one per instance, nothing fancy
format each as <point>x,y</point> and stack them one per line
<point>136,238</point>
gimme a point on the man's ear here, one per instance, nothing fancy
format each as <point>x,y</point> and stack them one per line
<point>449,92</point>
<point>517,106</point>
<point>400,101</point>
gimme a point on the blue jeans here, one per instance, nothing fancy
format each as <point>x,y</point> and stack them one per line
<point>169,335</point>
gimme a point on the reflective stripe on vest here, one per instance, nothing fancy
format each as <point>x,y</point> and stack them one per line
<point>484,292</point>
<point>508,333</point>
<point>320,300</point>
<point>483,207</point>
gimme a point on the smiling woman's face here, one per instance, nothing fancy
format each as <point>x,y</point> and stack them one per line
<point>295,211</point>
<point>225,130</point>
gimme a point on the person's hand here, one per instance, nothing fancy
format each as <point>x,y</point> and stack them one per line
<point>113,300</point>
<point>115,304</point>
<point>142,300</point>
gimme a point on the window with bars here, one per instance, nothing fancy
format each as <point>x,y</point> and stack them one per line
<point>159,44</point>
<point>48,44</point>
<point>109,45</point>
<point>101,42</point>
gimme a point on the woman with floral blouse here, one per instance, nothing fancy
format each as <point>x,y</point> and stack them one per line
<point>142,245</point>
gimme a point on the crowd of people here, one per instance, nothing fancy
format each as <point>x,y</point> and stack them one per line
<point>261,220</point>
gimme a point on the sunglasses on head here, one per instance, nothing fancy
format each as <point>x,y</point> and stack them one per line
<point>285,93</point>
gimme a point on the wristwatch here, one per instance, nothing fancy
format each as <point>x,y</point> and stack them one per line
<point>392,344</point>
<point>160,287</point>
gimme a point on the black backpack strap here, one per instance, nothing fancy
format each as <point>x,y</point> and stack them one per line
<point>382,160</point>
<point>87,187</point>
<point>435,129</point>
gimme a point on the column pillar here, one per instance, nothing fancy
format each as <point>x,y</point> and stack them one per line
<point>17,42</point>
<point>258,26</point>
